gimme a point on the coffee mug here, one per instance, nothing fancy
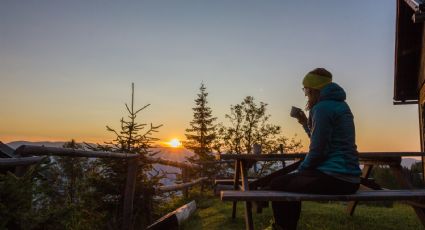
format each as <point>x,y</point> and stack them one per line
<point>295,112</point>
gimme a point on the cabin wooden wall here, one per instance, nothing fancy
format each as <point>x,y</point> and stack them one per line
<point>421,72</point>
<point>421,102</point>
<point>408,47</point>
<point>421,105</point>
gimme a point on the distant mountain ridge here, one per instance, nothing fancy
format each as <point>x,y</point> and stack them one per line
<point>16,144</point>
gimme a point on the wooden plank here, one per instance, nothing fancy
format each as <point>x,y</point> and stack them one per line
<point>235,186</point>
<point>129,194</point>
<point>174,219</point>
<point>381,161</point>
<point>177,164</point>
<point>222,187</point>
<point>230,181</point>
<point>282,152</point>
<point>217,162</point>
<point>8,162</point>
<point>291,156</point>
<point>262,157</point>
<point>180,186</point>
<point>389,154</point>
<point>423,165</point>
<point>28,150</point>
<point>256,150</point>
<point>265,195</point>
<point>249,224</point>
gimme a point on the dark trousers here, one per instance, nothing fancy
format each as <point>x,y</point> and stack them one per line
<point>286,214</point>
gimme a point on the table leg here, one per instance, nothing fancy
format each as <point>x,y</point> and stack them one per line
<point>248,205</point>
<point>398,173</point>
<point>367,169</point>
<point>236,185</point>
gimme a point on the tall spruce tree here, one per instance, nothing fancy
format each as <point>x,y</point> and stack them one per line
<point>201,133</point>
<point>134,138</point>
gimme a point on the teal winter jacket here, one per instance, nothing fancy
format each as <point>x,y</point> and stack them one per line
<point>332,135</point>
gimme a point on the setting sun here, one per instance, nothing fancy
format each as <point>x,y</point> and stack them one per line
<point>175,143</point>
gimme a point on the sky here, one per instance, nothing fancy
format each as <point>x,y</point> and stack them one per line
<point>66,67</point>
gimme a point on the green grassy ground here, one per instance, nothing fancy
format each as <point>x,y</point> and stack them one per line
<point>215,214</point>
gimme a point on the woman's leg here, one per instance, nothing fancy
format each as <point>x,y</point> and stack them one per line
<point>286,214</point>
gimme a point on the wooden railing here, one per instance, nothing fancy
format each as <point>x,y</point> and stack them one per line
<point>29,154</point>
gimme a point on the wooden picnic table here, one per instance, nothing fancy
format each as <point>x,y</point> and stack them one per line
<point>368,159</point>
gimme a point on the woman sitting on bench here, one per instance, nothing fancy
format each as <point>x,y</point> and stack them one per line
<point>331,165</point>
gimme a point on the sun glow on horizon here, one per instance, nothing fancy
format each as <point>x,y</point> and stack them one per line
<point>175,143</point>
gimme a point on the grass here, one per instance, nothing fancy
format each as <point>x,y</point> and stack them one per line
<point>215,214</point>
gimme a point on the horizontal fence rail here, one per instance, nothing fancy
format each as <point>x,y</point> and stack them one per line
<point>177,164</point>
<point>27,150</point>
<point>10,162</point>
<point>182,186</point>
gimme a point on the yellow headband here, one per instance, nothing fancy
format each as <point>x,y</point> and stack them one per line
<point>315,81</point>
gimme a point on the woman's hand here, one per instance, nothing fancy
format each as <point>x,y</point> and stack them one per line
<point>302,118</point>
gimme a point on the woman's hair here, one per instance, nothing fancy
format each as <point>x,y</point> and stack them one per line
<point>312,98</point>
<point>314,94</point>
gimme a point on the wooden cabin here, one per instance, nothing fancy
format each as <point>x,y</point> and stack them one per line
<point>409,71</point>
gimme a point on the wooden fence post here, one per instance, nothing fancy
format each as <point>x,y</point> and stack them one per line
<point>185,179</point>
<point>281,152</point>
<point>129,194</point>
<point>21,169</point>
<point>148,204</point>
<point>256,151</point>
<point>201,174</point>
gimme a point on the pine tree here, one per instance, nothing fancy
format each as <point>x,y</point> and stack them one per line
<point>201,133</point>
<point>134,138</point>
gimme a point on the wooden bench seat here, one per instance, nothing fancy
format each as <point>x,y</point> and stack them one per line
<point>371,195</point>
<point>227,184</point>
<point>230,181</point>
